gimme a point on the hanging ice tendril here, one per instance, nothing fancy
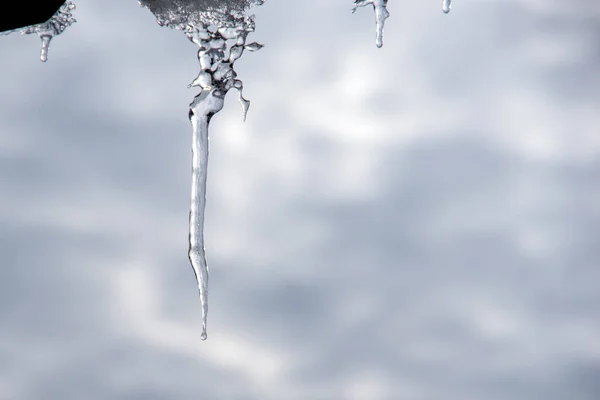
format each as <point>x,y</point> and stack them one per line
<point>53,27</point>
<point>381,14</point>
<point>220,29</point>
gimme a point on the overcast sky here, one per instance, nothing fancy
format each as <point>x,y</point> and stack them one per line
<point>416,222</point>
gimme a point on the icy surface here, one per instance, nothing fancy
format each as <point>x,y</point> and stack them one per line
<point>381,14</point>
<point>220,30</point>
<point>53,27</point>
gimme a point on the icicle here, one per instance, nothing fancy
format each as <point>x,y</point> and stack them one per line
<point>446,6</point>
<point>45,45</point>
<point>204,106</point>
<point>220,35</point>
<point>215,78</point>
<point>381,14</point>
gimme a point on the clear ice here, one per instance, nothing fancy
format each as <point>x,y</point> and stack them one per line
<point>219,28</point>
<point>381,14</point>
<point>53,27</point>
<point>446,6</point>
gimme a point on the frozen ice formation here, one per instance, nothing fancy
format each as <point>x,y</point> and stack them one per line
<point>381,14</point>
<point>219,28</point>
<point>53,27</point>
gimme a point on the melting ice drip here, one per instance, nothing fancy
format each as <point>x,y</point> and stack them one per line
<point>219,28</point>
<point>53,27</point>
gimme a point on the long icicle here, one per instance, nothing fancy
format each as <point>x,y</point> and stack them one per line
<point>202,108</point>
<point>220,32</point>
<point>218,50</point>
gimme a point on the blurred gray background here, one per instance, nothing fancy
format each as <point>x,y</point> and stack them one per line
<point>420,221</point>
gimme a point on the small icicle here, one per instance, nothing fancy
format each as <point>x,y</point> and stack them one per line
<point>446,6</point>
<point>381,14</point>
<point>45,45</point>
